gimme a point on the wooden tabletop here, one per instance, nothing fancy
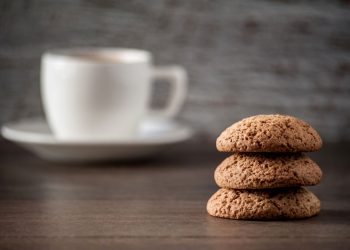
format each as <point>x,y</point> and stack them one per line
<point>153,204</point>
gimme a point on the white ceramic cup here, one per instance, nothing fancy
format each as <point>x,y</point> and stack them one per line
<point>104,93</point>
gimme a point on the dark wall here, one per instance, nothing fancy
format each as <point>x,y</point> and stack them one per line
<point>243,57</point>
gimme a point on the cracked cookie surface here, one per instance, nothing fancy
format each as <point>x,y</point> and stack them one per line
<point>269,133</point>
<point>286,203</point>
<point>268,170</point>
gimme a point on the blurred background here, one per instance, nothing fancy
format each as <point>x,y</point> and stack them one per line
<point>243,57</point>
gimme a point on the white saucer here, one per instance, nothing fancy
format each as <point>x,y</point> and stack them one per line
<point>35,135</point>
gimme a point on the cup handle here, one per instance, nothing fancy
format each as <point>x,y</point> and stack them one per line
<point>176,76</point>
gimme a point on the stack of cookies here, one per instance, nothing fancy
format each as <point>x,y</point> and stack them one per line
<point>263,178</point>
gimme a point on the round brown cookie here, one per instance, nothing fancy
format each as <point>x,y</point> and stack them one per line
<point>269,133</point>
<point>268,204</point>
<point>268,170</point>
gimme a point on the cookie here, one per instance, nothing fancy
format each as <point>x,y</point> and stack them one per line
<point>268,170</point>
<point>268,204</point>
<point>269,133</point>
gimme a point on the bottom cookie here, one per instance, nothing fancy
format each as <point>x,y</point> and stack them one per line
<point>268,204</point>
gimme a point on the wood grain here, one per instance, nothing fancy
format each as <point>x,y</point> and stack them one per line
<point>243,57</point>
<point>153,204</point>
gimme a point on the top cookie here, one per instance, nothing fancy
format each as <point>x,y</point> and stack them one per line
<point>269,133</point>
